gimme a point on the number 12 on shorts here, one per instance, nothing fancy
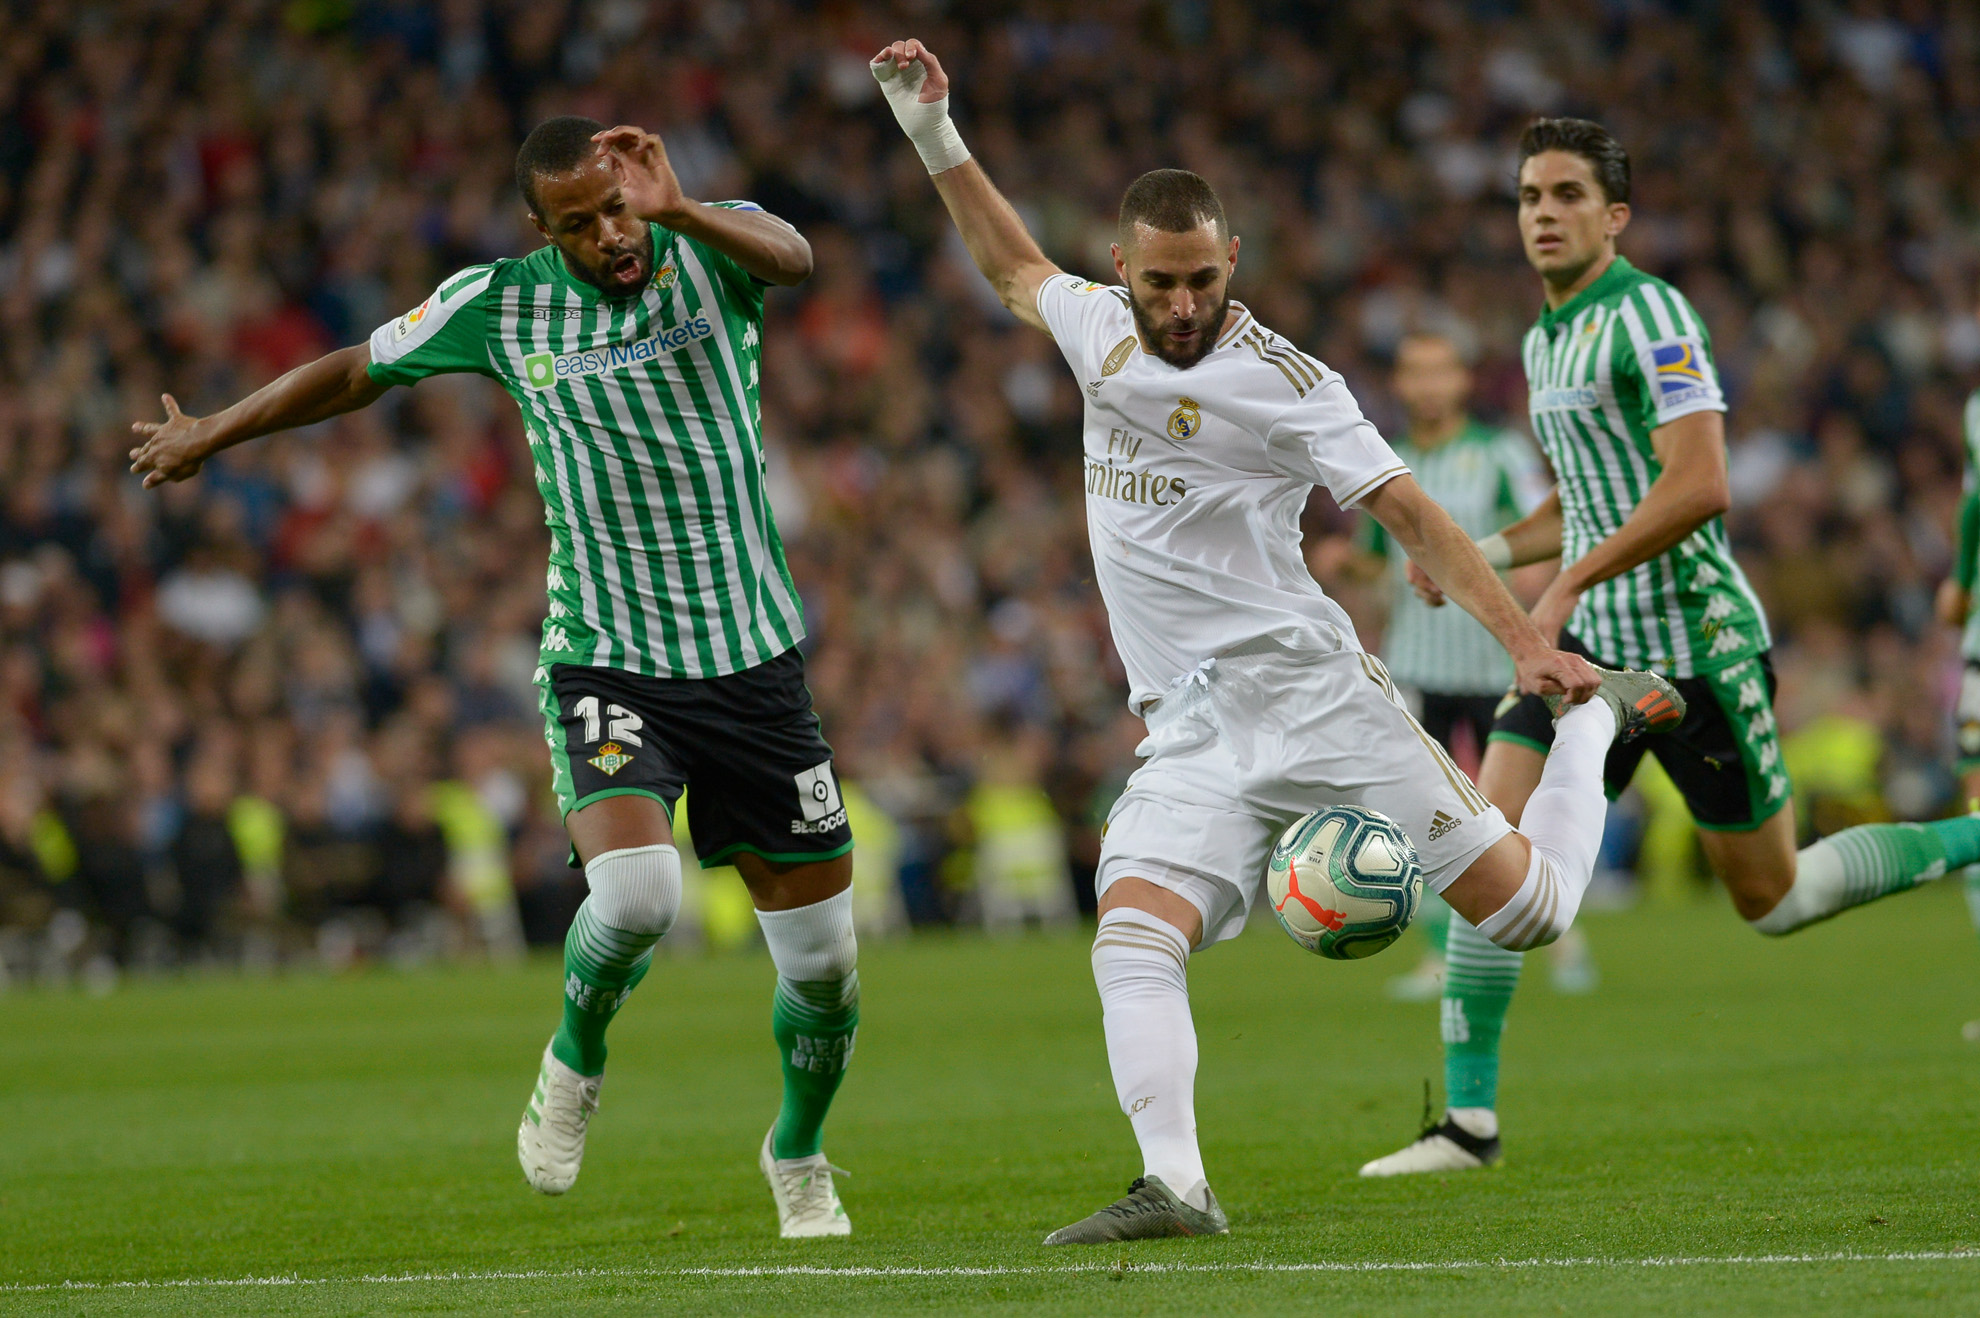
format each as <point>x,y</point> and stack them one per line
<point>618,723</point>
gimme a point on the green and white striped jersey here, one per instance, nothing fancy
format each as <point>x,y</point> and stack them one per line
<point>1622,357</point>
<point>1967,555</point>
<point>1486,480</point>
<point>644,424</point>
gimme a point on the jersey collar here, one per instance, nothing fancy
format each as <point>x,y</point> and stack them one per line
<point>1619,270</point>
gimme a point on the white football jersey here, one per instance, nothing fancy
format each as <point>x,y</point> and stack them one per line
<point>1195,481</point>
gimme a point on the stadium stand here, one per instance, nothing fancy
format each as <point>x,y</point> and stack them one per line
<point>285,711</point>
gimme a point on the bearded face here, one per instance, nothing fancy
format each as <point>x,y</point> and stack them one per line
<point>1179,288</point>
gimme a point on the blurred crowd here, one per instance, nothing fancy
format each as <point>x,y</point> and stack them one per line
<point>285,711</point>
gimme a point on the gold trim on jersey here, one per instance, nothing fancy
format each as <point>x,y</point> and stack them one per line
<point>1241,316</point>
<point>1301,372</point>
<point>1118,357</point>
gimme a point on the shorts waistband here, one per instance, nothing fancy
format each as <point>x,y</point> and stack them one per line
<point>1189,692</point>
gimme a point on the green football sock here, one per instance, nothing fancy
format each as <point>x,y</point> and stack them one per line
<point>601,967</point>
<point>814,1024</point>
<point>1869,861</point>
<point>1479,979</point>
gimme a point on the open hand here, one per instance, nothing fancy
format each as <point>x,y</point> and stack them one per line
<point>173,449</point>
<point>646,177</point>
<point>914,64</point>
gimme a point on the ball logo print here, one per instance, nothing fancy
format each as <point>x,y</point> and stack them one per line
<point>1344,882</point>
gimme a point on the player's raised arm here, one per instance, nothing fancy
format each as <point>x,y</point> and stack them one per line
<point>174,449</point>
<point>918,92</point>
<point>756,240</point>
<point>1427,533</point>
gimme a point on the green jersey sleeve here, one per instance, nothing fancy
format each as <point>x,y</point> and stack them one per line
<point>1663,360</point>
<point>737,283</point>
<point>446,334</point>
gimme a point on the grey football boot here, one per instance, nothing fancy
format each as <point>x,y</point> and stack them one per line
<point>1643,702</point>
<point>1150,1211</point>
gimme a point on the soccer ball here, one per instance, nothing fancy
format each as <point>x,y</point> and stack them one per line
<point>1344,882</point>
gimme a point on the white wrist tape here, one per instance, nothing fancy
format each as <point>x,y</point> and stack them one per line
<point>1497,552</point>
<point>927,126</point>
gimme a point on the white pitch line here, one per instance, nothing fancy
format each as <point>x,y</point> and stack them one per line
<point>812,1270</point>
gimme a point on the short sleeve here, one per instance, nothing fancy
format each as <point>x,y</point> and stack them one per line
<point>446,334</point>
<point>1324,439</point>
<point>1669,354</point>
<point>1523,477</point>
<point>1080,313</point>
<point>738,282</point>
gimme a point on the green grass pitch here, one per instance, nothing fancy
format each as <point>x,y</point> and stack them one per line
<point>1730,1125</point>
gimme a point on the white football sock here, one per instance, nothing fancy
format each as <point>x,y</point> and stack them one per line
<point>1563,820</point>
<point>1480,1121</point>
<point>1140,964</point>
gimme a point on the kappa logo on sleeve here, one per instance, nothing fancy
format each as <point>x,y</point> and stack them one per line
<point>1680,375</point>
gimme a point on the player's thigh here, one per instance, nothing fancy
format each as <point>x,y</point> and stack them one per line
<point>614,773</point>
<point>1757,865</point>
<point>1725,760</point>
<point>1180,845</point>
<point>763,793</point>
<point>1509,774</point>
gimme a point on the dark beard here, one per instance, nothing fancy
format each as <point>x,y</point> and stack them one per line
<point>1206,339</point>
<point>652,255</point>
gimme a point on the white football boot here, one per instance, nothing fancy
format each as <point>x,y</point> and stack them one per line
<point>550,1142</point>
<point>1446,1147</point>
<point>807,1204</point>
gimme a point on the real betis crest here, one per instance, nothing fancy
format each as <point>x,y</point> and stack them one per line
<point>663,278</point>
<point>610,759</point>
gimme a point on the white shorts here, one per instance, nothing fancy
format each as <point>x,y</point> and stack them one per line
<point>1256,738</point>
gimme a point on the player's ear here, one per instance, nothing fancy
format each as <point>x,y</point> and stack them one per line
<point>1120,263</point>
<point>1234,252</point>
<point>536,222</point>
<point>1618,218</point>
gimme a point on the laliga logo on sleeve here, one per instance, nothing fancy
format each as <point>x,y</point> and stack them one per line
<point>1185,421</point>
<point>409,321</point>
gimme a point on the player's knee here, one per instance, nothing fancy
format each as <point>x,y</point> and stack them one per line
<point>815,943</point>
<point>1539,913</point>
<point>637,889</point>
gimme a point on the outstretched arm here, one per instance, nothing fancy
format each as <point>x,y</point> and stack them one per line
<point>1429,536</point>
<point>1534,538</point>
<point>756,240</point>
<point>174,449</point>
<point>918,91</point>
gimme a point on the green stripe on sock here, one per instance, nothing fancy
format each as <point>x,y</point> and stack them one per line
<point>1479,979</point>
<point>602,966</point>
<point>815,1024</point>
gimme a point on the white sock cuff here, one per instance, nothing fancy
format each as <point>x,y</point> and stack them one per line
<point>1817,891</point>
<point>1538,913</point>
<point>1137,932</point>
<point>636,889</point>
<point>815,943</point>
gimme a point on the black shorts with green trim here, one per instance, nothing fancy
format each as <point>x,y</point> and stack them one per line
<point>747,743</point>
<point>1725,758</point>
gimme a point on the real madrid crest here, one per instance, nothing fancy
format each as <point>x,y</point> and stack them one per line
<point>1185,421</point>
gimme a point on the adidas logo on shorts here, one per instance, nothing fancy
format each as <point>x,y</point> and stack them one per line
<point>1440,824</point>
